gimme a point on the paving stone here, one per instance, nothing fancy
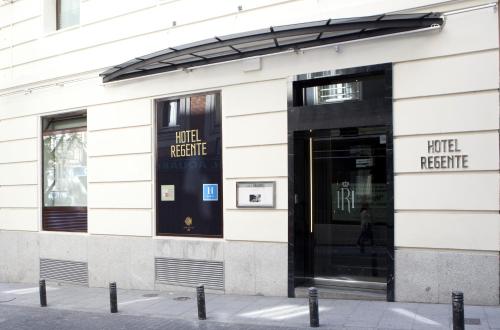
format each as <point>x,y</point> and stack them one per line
<point>245,312</point>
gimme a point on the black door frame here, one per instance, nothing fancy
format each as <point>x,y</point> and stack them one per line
<point>339,115</point>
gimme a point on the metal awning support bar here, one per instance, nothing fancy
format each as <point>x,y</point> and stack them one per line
<point>493,5</point>
<point>431,28</point>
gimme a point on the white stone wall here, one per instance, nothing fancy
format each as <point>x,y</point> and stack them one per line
<point>120,168</point>
<point>19,176</point>
<point>436,103</point>
<point>255,148</point>
<point>447,221</point>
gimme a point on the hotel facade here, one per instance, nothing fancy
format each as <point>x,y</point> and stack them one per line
<point>256,147</point>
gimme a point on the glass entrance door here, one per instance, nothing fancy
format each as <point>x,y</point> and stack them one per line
<point>348,208</point>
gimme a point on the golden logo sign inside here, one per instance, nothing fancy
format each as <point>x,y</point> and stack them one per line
<point>189,223</point>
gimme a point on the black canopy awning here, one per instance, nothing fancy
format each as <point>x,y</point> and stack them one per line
<point>269,41</point>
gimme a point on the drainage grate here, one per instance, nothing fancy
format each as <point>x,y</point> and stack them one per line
<point>471,321</point>
<point>74,272</point>
<point>186,272</point>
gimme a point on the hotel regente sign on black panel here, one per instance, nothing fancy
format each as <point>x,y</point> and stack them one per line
<point>189,166</point>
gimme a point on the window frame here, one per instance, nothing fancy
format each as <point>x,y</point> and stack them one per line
<point>58,16</point>
<point>62,218</point>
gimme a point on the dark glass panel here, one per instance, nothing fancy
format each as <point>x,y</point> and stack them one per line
<point>189,157</point>
<point>350,204</point>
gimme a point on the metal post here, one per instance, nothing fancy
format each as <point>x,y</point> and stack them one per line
<point>457,299</point>
<point>113,299</point>
<point>43,294</point>
<point>313,308</point>
<point>200,297</point>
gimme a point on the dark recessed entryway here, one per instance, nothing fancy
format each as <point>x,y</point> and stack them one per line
<point>341,236</point>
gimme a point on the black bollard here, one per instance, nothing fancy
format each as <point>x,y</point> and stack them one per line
<point>313,308</point>
<point>200,297</point>
<point>43,294</point>
<point>457,299</point>
<point>113,299</point>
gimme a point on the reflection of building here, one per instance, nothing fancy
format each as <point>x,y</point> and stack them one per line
<point>103,106</point>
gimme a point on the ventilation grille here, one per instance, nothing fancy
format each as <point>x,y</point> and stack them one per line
<point>64,271</point>
<point>185,272</point>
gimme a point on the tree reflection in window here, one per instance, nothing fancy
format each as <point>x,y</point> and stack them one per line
<point>65,169</point>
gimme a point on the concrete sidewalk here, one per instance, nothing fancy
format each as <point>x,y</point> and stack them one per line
<point>256,310</point>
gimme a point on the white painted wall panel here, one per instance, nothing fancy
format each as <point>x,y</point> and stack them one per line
<point>80,40</point>
<point>19,11</point>
<point>447,113</point>
<point>18,128</point>
<point>256,225</point>
<point>261,161</point>
<point>120,222</point>
<point>254,98</point>
<point>128,19</point>
<point>443,6</point>
<point>481,149</point>
<point>261,129</point>
<point>449,191</point>
<point>135,167</point>
<point>281,192</point>
<point>440,230</point>
<point>120,195</point>
<point>95,10</point>
<point>5,58</point>
<point>19,219</point>
<point>18,151</point>
<point>76,96</point>
<point>121,114</point>
<point>119,141</point>
<point>190,11</point>
<point>19,173</point>
<point>453,74</point>
<point>5,42</point>
<point>19,196</point>
<point>25,31</point>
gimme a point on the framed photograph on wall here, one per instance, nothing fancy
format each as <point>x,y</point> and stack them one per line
<point>256,194</point>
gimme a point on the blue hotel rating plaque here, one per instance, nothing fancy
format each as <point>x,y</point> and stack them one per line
<point>210,192</point>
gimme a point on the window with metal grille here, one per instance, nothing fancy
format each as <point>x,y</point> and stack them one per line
<point>337,92</point>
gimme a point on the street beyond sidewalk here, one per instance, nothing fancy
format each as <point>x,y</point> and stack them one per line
<point>169,310</point>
